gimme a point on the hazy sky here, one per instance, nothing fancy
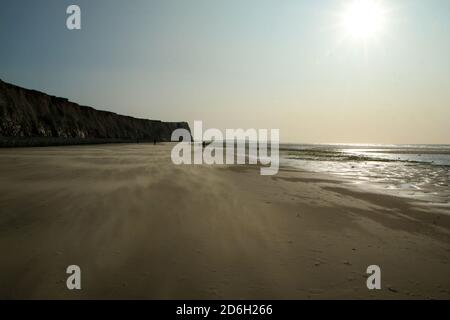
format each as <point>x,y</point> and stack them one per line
<point>249,63</point>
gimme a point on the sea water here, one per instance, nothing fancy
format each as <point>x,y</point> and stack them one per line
<point>413,171</point>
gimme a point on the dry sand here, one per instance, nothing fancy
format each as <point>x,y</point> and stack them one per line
<point>140,227</point>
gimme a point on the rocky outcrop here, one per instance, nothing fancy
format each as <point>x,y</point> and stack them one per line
<point>32,118</point>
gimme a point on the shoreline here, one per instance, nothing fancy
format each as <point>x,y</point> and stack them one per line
<point>142,228</point>
<point>372,188</point>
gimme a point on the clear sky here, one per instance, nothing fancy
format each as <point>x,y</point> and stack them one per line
<point>286,64</point>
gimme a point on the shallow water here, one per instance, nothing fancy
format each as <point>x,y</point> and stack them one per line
<point>413,171</point>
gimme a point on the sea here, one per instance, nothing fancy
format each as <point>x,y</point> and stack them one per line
<point>420,172</point>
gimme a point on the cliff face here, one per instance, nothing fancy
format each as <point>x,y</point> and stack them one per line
<point>31,118</point>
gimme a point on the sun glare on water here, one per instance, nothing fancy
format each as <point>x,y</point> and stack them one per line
<point>363,19</point>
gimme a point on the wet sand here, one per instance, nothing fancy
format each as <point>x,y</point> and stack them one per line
<point>141,228</point>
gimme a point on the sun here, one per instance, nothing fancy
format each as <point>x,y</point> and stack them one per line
<point>363,19</point>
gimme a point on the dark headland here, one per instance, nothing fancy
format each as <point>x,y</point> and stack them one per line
<point>32,118</point>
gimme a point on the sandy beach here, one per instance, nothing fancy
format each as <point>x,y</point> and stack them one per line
<point>142,228</point>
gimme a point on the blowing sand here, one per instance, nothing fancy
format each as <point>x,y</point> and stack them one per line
<point>140,227</point>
